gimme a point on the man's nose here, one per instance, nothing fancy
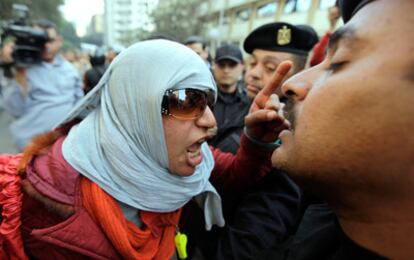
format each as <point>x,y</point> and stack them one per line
<point>298,86</point>
<point>255,71</point>
<point>226,68</point>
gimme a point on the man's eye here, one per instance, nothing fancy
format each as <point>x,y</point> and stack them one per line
<point>270,68</point>
<point>333,67</point>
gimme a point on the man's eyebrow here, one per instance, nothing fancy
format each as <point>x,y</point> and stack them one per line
<point>272,59</point>
<point>345,33</point>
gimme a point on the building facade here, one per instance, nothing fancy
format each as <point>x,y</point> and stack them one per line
<point>96,26</point>
<point>125,18</point>
<point>231,21</point>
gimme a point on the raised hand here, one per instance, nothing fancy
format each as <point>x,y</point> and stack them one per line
<point>265,119</point>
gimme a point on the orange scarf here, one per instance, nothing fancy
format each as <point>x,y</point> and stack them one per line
<point>154,241</point>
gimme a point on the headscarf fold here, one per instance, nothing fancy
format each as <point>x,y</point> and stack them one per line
<point>120,143</point>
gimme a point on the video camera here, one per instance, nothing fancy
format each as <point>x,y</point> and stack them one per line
<point>29,42</point>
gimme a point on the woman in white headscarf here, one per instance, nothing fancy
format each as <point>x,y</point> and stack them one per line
<point>110,182</point>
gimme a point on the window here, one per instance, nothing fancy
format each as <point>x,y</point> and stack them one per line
<point>292,6</point>
<point>304,5</point>
<point>243,15</point>
<point>125,13</point>
<point>225,19</point>
<point>266,10</point>
<point>124,2</point>
<point>324,4</point>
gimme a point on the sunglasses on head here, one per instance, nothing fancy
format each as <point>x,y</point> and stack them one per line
<point>188,103</point>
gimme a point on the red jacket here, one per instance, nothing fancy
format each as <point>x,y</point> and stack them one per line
<point>56,226</point>
<point>319,50</point>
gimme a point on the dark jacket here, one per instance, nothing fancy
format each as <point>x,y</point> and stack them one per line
<point>265,216</point>
<point>92,77</point>
<point>319,236</point>
<point>230,110</point>
<point>264,228</point>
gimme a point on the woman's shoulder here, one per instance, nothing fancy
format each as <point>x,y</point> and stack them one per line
<point>52,176</point>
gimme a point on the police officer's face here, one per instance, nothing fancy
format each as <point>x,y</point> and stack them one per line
<point>260,68</point>
<point>226,74</point>
<point>354,112</point>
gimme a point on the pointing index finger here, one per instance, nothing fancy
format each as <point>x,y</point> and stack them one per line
<point>276,79</point>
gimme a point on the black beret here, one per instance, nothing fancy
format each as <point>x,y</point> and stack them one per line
<point>350,7</point>
<point>282,37</point>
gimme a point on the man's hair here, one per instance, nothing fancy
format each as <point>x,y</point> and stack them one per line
<point>195,39</point>
<point>45,25</point>
<point>163,36</point>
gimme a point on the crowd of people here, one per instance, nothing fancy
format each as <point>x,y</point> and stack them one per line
<point>301,151</point>
<point>38,95</point>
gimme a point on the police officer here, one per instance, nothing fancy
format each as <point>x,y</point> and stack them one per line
<point>271,44</point>
<point>232,103</point>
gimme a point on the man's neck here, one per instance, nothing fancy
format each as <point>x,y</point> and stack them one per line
<point>52,60</point>
<point>388,231</point>
<point>228,89</point>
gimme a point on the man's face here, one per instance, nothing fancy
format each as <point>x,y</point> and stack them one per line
<point>261,65</point>
<point>353,126</point>
<point>52,47</point>
<point>110,56</point>
<point>70,56</point>
<point>198,48</point>
<point>226,74</point>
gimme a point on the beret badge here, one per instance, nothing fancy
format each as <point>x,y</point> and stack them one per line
<point>283,36</point>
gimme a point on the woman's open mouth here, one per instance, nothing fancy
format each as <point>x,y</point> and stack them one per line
<point>194,155</point>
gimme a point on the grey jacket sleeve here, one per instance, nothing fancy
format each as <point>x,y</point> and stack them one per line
<point>14,101</point>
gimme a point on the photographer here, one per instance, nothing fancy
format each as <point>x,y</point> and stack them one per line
<point>41,93</point>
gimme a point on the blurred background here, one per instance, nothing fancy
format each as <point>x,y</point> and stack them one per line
<point>86,24</point>
<point>112,25</point>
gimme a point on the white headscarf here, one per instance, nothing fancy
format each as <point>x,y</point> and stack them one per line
<point>120,143</point>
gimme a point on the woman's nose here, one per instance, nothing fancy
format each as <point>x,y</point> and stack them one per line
<point>207,119</point>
